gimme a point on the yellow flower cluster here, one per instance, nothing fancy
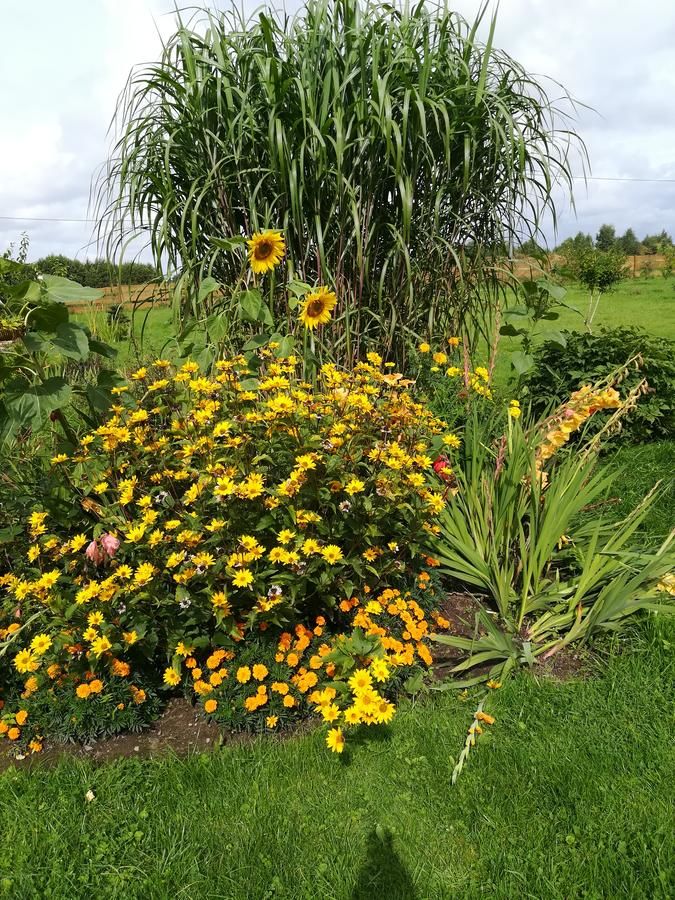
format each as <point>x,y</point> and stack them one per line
<point>225,503</point>
<point>308,663</point>
<point>582,404</point>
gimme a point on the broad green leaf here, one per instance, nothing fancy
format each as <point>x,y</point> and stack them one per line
<point>207,286</point>
<point>48,316</point>
<point>71,340</point>
<point>556,336</point>
<point>101,348</point>
<point>511,331</point>
<point>521,362</point>
<point>252,308</point>
<point>229,244</point>
<point>63,290</point>
<point>30,405</point>
<point>258,340</point>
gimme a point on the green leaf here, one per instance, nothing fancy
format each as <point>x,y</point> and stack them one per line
<point>522,362</point>
<point>48,316</point>
<point>207,286</point>
<point>415,683</point>
<point>286,346</point>
<point>298,288</point>
<point>556,336</point>
<point>71,340</point>
<point>258,340</point>
<point>252,308</point>
<point>217,326</point>
<point>101,348</point>
<point>229,244</point>
<point>63,290</point>
<point>511,331</point>
<point>30,405</point>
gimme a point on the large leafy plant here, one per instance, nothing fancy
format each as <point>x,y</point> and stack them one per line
<point>37,340</point>
<point>547,572</point>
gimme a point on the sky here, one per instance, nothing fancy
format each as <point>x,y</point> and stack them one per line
<point>63,65</point>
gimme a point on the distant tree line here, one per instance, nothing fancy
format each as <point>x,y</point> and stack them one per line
<point>97,273</point>
<point>627,243</point>
<point>607,239</point>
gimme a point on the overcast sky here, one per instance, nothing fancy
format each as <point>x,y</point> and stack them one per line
<point>63,64</point>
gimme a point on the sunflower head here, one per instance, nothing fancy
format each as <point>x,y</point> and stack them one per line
<point>317,307</point>
<point>266,249</point>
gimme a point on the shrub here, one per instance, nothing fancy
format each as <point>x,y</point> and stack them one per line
<point>211,519</point>
<point>515,531</point>
<point>587,358</point>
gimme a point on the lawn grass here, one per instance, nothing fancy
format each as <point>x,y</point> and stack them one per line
<point>647,302</point>
<point>570,795</point>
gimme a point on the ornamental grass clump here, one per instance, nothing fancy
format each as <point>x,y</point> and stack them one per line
<point>229,533</point>
<point>525,532</point>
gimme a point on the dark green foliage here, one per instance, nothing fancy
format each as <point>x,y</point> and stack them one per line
<point>605,238</point>
<point>96,273</point>
<point>586,358</point>
<point>628,243</point>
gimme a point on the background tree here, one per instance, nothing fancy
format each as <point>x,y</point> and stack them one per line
<point>598,271</point>
<point>96,273</point>
<point>657,243</point>
<point>605,238</point>
<point>628,243</point>
<point>383,142</point>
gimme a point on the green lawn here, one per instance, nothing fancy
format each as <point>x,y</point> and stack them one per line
<point>648,302</point>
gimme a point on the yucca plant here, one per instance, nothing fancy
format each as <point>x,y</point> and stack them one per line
<point>399,155</point>
<point>547,572</point>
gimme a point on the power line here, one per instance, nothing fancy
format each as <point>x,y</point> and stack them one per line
<point>575,177</point>
<point>606,178</point>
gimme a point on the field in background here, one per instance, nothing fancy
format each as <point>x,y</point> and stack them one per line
<point>647,302</point>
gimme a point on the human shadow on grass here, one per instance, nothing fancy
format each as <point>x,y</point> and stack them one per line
<point>382,875</point>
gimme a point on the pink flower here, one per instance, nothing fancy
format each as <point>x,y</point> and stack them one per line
<point>110,544</point>
<point>94,553</point>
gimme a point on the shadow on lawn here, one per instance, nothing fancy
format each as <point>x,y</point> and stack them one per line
<point>382,874</point>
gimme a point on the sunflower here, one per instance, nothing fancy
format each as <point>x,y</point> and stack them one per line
<point>317,307</point>
<point>266,249</point>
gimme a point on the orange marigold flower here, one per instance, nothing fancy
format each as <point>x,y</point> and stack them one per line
<point>243,674</point>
